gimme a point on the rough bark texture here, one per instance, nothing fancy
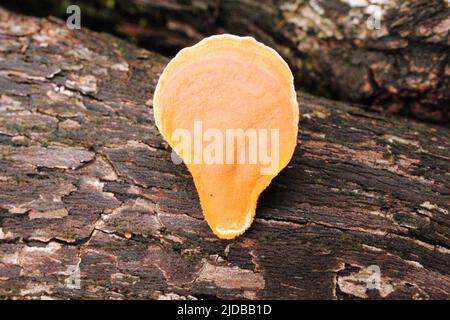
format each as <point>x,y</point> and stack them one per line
<point>392,53</point>
<point>87,188</point>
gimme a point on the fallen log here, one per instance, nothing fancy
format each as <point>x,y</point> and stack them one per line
<point>389,55</point>
<point>392,54</point>
<point>91,205</point>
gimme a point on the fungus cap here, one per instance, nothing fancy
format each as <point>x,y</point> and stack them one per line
<point>224,84</point>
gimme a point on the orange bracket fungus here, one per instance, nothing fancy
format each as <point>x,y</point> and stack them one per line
<point>228,107</point>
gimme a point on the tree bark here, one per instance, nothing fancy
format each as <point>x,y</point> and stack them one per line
<point>391,54</point>
<point>91,205</point>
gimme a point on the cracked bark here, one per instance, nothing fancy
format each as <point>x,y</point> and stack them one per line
<point>398,63</point>
<point>87,184</point>
<point>391,55</point>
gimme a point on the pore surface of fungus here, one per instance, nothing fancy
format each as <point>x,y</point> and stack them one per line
<point>228,106</point>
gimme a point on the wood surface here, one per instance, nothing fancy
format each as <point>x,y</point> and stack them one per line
<point>88,190</point>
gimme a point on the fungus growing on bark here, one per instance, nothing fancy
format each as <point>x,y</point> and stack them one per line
<point>228,107</point>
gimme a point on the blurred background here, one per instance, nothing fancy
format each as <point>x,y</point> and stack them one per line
<point>389,56</point>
